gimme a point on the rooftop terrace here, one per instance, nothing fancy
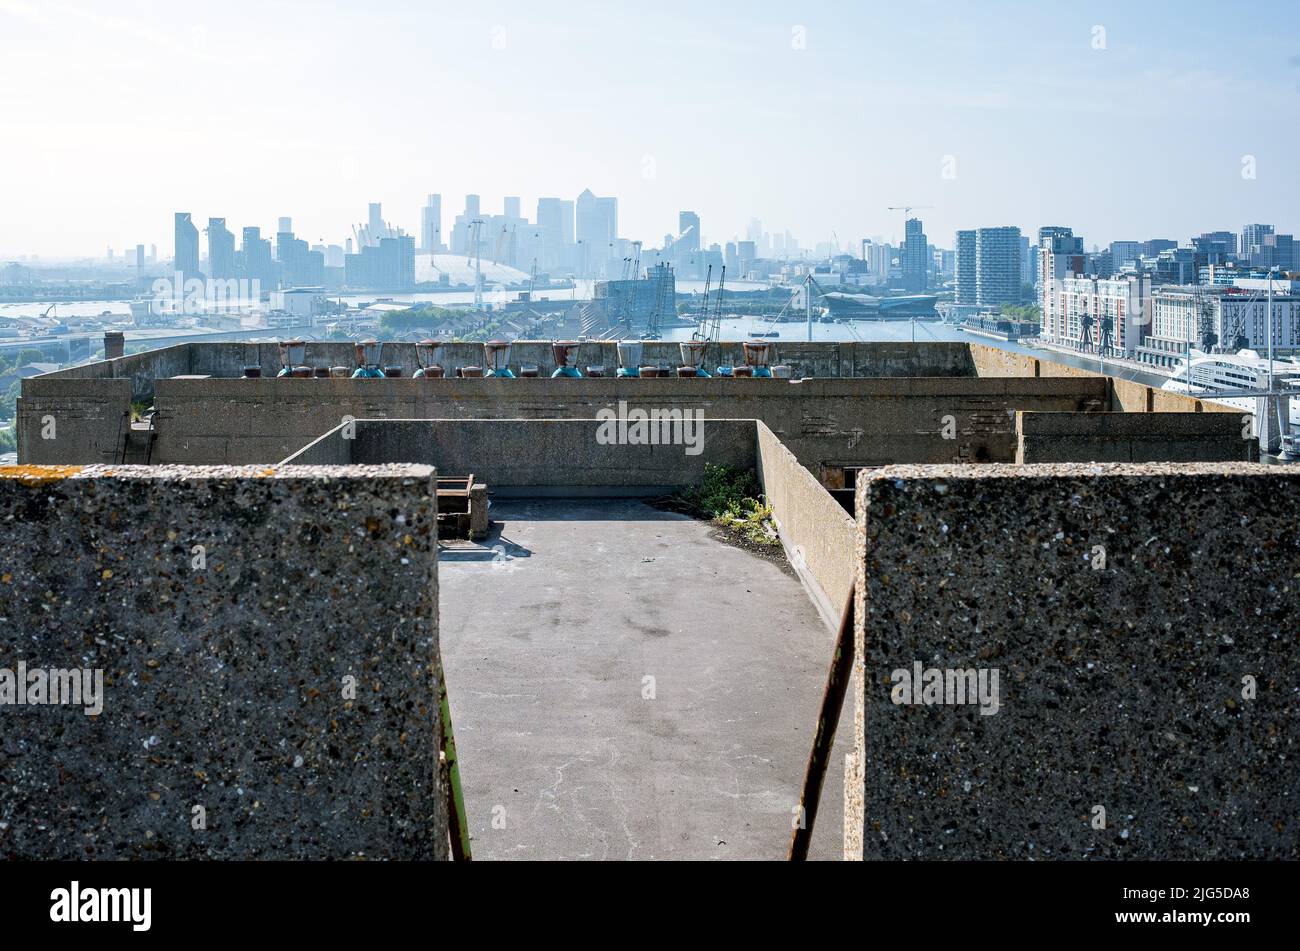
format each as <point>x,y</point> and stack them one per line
<point>629,686</point>
<point>845,405</point>
<point>622,683</point>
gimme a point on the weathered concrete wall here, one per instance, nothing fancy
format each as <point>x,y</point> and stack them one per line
<point>817,534</point>
<point>820,359</point>
<point>542,457</point>
<point>63,421</point>
<point>141,369</point>
<point>1126,396</point>
<point>1135,437</point>
<point>252,437</point>
<point>224,681</point>
<point>1124,607</point>
<point>888,403</point>
<point>995,361</point>
<point>1130,397</point>
<point>867,421</point>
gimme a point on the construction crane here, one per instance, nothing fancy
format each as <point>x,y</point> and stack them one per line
<point>907,212</point>
<point>636,282</point>
<point>652,326</point>
<point>908,209</point>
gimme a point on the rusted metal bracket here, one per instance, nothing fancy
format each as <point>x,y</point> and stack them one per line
<point>448,763</point>
<point>828,721</point>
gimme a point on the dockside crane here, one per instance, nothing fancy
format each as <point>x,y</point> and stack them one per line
<point>636,283</point>
<point>702,330</point>
<point>652,326</point>
<point>715,326</point>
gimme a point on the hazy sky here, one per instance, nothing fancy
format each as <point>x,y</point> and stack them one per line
<point>811,116</point>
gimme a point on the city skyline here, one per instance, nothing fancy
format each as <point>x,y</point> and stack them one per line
<point>1026,117</point>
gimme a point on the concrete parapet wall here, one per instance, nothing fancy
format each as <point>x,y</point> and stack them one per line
<point>541,457</point>
<point>867,421</point>
<point>1126,396</point>
<point>870,404</point>
<point>817,534</point>
<point>268,643</point>
<point>996,361</point>
<point>142,369</point>
<point>815,358</point>
<point>62,421</point>
<point>1135,437</point>
<point>1141,618</point>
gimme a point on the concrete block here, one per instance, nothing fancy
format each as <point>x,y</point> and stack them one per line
<point>478,511</point>
<point>268,648</point>
<point>1141,621</point>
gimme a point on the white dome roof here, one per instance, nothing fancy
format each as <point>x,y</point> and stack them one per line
<point>431,267</point>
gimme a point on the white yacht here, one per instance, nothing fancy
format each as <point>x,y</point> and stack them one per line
<point>1221,373</point>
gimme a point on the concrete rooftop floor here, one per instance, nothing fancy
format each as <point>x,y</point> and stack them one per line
<point>548,629</point>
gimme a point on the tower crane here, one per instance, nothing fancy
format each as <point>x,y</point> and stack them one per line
<point>907,211</point>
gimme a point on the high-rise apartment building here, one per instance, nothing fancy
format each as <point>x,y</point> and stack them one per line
<point>916,257</point>
<point>1252,241</point>
<point>965,268</point>
<point>1060,254</point>
<point>997,266</point>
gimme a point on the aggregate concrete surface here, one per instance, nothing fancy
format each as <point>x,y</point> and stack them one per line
<point>549,631</point>
<point>1142,618</point>
<point>225,680</point>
